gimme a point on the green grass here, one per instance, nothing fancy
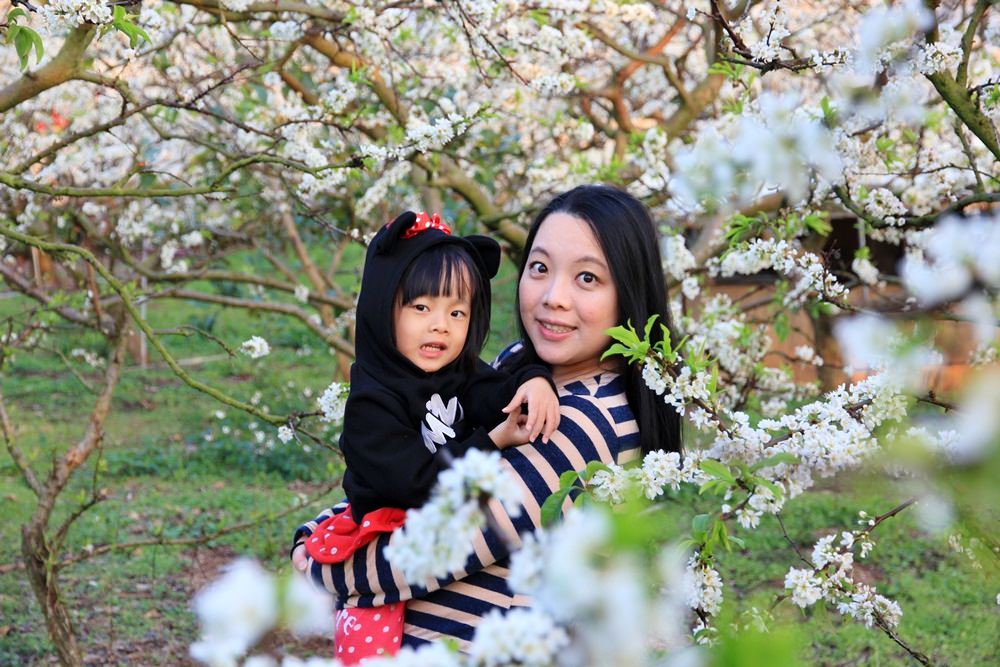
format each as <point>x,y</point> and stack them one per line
<point>174,467</point>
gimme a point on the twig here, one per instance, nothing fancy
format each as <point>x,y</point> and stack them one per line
<point>202,539</point>
<point>15,453</point>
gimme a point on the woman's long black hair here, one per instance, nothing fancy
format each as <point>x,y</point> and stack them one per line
<point>627,236</point>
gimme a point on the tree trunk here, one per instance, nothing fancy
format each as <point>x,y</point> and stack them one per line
<point>45,584</point>
<point>830,373</point>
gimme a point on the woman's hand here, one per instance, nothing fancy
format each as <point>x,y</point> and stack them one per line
<point>299,559</point>
<point>543,408</point>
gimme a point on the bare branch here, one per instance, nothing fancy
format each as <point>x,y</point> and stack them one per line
<point>15,453</point>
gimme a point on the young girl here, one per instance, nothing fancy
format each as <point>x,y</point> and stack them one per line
<point>418,387</point>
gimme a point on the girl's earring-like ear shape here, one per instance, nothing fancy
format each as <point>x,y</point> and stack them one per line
<point>488,251</point>
<point>389,235</point>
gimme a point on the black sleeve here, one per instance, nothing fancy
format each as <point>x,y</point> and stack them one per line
<point>489,390</point>
<point>388,464</point>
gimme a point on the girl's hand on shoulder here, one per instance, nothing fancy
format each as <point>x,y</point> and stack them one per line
<point>299,559</point>
<point>543,408</point>
<point>510,431</point>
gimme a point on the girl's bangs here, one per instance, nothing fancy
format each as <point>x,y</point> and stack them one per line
<point>441,271</point>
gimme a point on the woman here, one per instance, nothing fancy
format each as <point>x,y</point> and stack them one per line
<point>592,262</point>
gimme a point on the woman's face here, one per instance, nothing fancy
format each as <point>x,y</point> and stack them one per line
<point>567,297</point>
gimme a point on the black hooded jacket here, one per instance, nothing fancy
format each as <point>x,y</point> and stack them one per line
<point>397,416</point>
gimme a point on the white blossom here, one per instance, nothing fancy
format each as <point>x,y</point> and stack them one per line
<point>283,30</point>
<point>255,347</point>
<point>437,538</point>
<point>865,270</point>
<point>332,402</point>
<point>704,587</point>
<point>234,611</point>
<point>805,587</point>
<point>520,637</point>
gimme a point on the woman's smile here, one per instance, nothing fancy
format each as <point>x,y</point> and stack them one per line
<point>553,330</point>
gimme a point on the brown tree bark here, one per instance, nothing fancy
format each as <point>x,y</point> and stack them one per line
<point>44,582</point>
<point>40,558</point>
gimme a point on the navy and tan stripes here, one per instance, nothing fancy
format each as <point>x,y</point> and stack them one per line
<point>596,424</point>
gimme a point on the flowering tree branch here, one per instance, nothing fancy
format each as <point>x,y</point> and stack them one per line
<point>63,67</point>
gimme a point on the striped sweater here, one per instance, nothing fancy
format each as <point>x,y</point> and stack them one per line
<point>596,424</point>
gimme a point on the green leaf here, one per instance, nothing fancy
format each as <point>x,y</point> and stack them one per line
<point>717,469</point>
<point>699,524</point>
<point>617,348</point>
<point>782,326</point>
<point>22,43</point>
<point>649,327</point>
<point>568,479</point>
<point>721,534</point>
<point>591,468</point>
<point>36,40</point>
<point>629,345</point>
<point>818,223</point>
<point>624,334</point>
<point>122,21</point>
<point>714,486</point>
<point>829,113</point>
<point>770,486</point>
<point>552,507</point>
<point>714,381</point>
<point>775,459</point>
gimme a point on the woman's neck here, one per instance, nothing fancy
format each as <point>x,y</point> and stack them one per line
<point>563,375</point>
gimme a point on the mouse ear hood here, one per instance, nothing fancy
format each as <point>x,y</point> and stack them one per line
<point>486,252</point>
<point>389,236</point>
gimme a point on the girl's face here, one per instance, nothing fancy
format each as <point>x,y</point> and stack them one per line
<point>431,330</point>
<point>567,297</point>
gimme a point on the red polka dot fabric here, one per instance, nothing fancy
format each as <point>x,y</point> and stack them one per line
<point>340,536</point>
<point>425,222</point>
<point>363,633</point>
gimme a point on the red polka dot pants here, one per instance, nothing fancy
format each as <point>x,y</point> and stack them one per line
<point>368,632</point>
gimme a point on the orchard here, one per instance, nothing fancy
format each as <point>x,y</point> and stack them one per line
<point>187,189</point>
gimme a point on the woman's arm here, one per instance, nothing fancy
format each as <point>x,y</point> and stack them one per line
<point>587,432</point>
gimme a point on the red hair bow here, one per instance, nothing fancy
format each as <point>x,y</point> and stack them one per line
<point>425,222</point>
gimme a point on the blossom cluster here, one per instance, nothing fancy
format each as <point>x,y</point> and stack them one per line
<point>809,273</point>
<point>438,536</point>
<point>943,262</point>
<point>642,605</point>
<point>831,579</point>
<point>332,402</point>
<point>777,145</point>
<point>422,137</point>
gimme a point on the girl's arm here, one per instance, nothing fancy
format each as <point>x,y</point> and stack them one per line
<point>587,432</point>
<point>488,390</point>
<point>388,463</point>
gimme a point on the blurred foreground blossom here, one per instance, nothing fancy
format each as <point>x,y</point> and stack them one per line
<point>946,260</point>
<point>238,609</point>
<point>438,537</point>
